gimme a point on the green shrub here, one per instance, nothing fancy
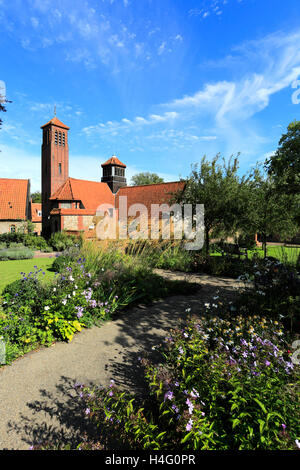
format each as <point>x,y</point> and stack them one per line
<point>16,253</point>
<point>36,242</point>
<point>61,241</point>
<point>221,384</point>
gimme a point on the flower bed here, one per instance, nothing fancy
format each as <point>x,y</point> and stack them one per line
<point>34,313</point>
<point>222,384</point>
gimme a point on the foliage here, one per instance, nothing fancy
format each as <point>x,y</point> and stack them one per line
<point>221,191</point>
<point>26,227</point>
<point>222,384</point>
<point>146,178</point>
<point>284,165</point>
<point>15,253</point>
<point>36,197</point>
<point>29,240</point>
<point>78,297</point>
<point>61,241</point>
<point>270,212</point>
<point>273,290</point>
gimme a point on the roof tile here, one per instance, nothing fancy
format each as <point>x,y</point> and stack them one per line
<point>13,198</point>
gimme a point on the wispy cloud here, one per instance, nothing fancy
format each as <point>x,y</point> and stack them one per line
<point>210,8</point>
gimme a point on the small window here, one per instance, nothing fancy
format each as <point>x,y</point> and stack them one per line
<point>12,229</point>
<point>59,138</point>
<point>63,137</point>
<point>56,137</point>
<point>59,168</point>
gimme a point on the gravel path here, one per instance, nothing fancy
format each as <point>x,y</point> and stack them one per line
<point>37,400</point>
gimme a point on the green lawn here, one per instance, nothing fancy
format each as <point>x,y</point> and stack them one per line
<point>10,270</point>
<point>282,253</point>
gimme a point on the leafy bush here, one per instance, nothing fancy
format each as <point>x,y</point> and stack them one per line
<point>274,291</point>
<point>66,258</point>
<point>61,241</point>
<point>16,253</point>
<point>222,384</point>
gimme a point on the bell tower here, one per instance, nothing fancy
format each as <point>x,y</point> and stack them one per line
<point>114,173</point>
<point>55,165</point>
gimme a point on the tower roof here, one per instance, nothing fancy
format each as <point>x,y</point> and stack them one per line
<point>55,122</point>
<point>113,161</point>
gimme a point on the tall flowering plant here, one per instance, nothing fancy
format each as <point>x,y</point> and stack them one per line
<point>221,385</point>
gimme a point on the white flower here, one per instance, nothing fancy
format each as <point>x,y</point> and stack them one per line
<point>74,293</point>
<point>71,278</point>
<point>64,301</point>
<point>76,287</point>
<point>297,443</point>
<point>54,289</point>
<point>47,308</point>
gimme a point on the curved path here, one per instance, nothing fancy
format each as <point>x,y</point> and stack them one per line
<point>37,399</point>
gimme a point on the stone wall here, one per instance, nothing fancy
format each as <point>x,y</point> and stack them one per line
<point>5,225</point>
<point>70,222</point>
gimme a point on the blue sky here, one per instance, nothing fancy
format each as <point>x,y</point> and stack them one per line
<point>159,83</point>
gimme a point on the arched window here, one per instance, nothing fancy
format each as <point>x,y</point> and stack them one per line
<point>63,137</point>
<point>56,137</point>
<point>59,138</point>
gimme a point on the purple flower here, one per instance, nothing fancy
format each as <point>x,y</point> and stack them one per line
<point>189,425</point>
<point>168,395</point>
<point>268,363</point>
<point>87,411</point>
<point>79,311</point>
<point>174,407</point>
<point>190,405</point>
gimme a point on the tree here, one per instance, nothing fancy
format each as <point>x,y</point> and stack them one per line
<point>36,196</point>
<point>146,178</point>
<point>270,211</point>
<point>2,106</point>
<point>284,165</point>
<point>221,191</point>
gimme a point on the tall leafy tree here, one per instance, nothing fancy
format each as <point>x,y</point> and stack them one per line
<point>221,190</point>
<point>36,196</point>
<point>270,211</point>
<point>146,178</point>
<point>284,165</point>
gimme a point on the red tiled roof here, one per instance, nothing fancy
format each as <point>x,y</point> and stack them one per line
<point>159,193</point>
<point>55,122</point>
<point>113,161</point>
<point>90,193</point>
<point>35,208</point>
<point>13,198</point>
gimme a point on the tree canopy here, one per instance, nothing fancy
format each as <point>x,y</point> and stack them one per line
<point>146,178</point>
<point>284,165</point>
<point>36,196</point>
<point>220,189</point>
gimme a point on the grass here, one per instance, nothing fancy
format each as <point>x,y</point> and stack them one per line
<point>287,254</point>
<point>10,270</point>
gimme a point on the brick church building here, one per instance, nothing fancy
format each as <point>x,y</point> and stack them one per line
<point>70,204</point>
